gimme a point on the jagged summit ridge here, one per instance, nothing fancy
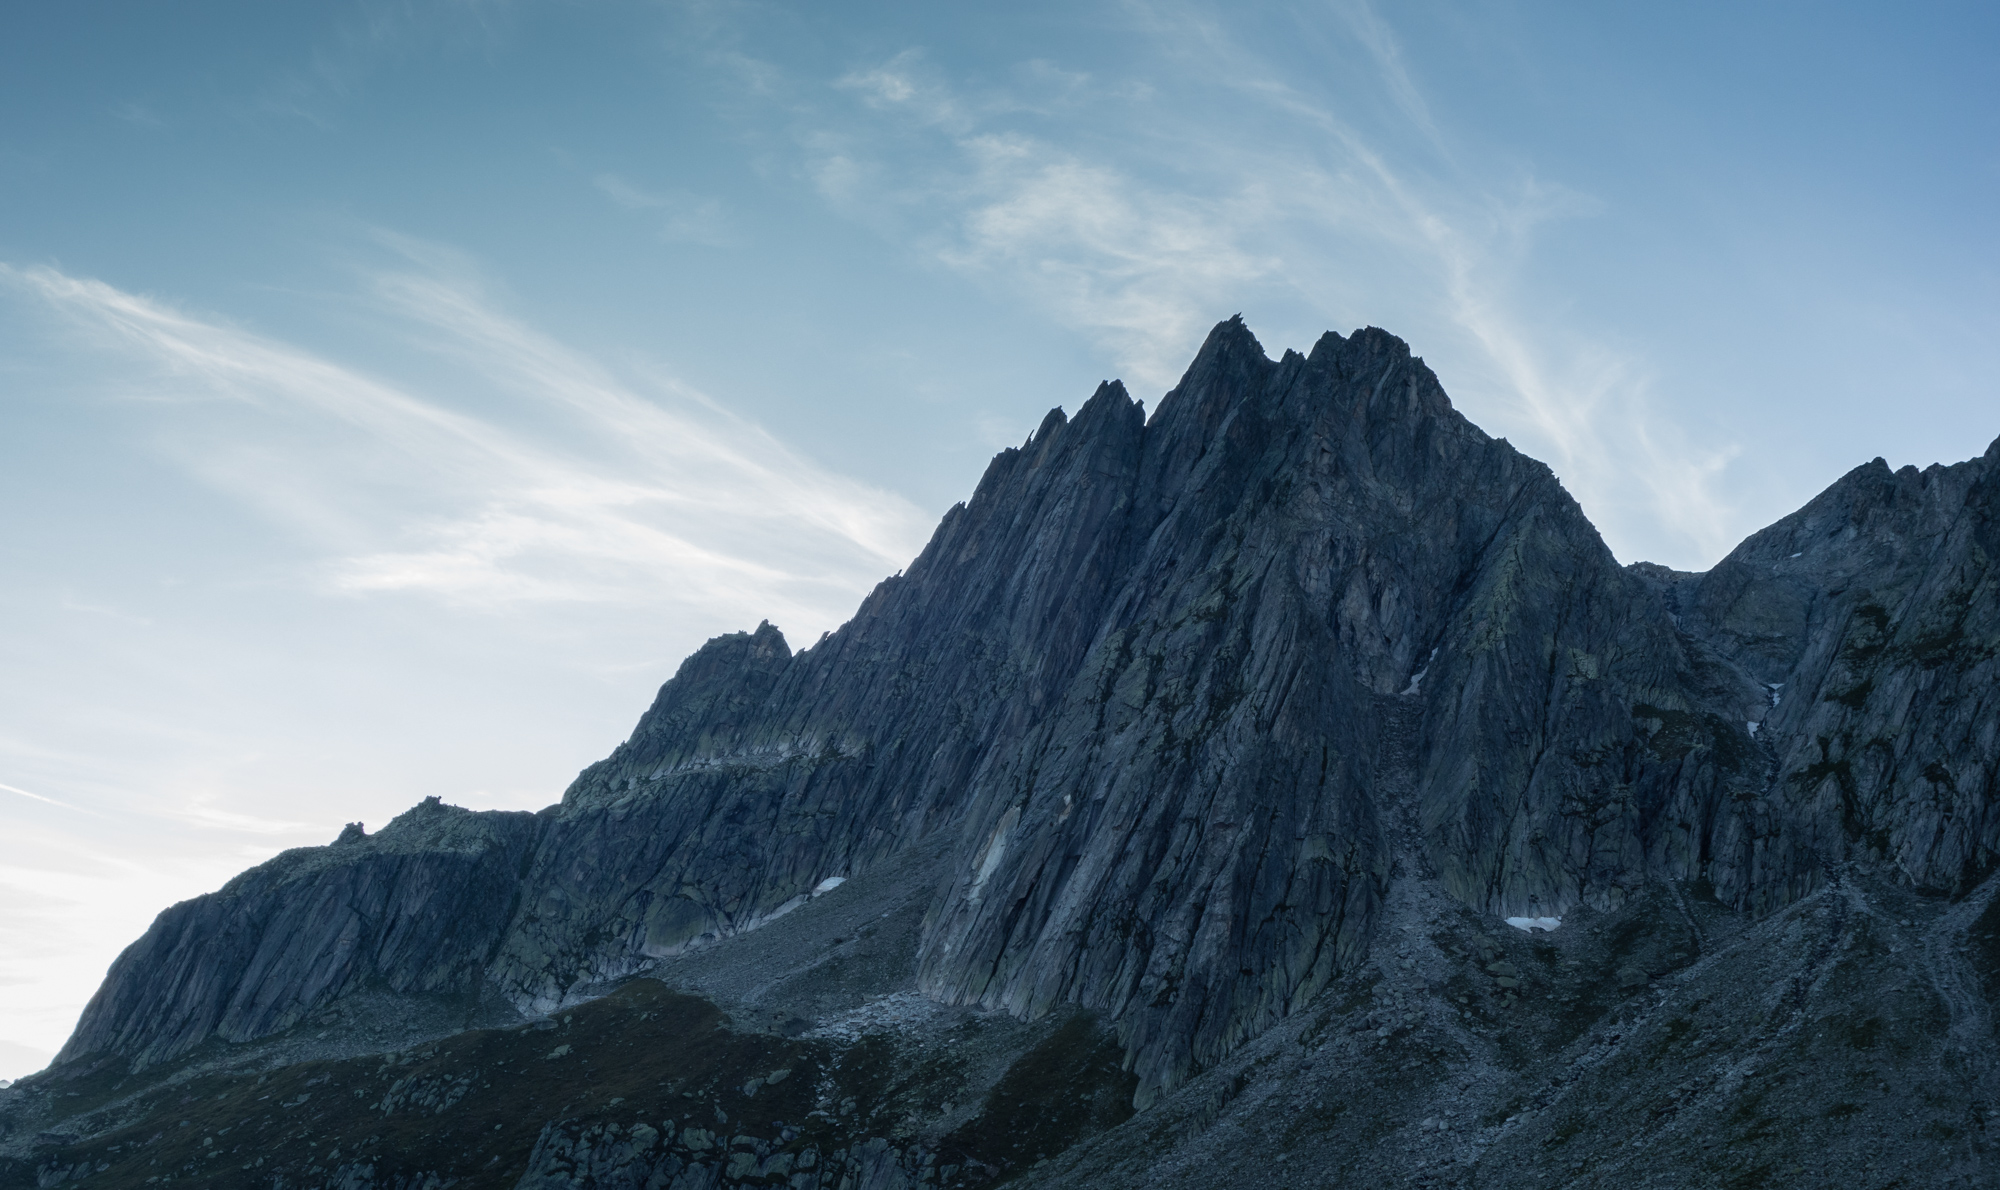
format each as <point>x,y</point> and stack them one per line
<point>1172,695</point>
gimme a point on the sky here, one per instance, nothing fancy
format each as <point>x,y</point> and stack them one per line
<point>391,394</point>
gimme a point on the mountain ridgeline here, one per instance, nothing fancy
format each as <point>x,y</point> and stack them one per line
<point>1158,720</point>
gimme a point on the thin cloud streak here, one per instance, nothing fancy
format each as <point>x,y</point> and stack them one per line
<point>1386,48</point>
<point>202,812</point>
<point>648,503</point>
<point>38,797</point>
<point>515,355</point>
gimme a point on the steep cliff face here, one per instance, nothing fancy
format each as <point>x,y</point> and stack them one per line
<point>758,775</point>
<point>1873,617</point>
<point>1194,841</point>
<point>1173,700</point>
<point>414,909</point>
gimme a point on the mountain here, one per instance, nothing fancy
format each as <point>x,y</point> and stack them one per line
<point>1160,825</point>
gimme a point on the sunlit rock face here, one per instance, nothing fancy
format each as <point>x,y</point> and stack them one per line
<point>1177,699</point>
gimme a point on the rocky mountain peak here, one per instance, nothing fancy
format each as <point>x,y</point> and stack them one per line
<point>1183,722</point>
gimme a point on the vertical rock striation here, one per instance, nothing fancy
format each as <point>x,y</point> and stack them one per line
<point>417,909</point>
<point>1872,617</point>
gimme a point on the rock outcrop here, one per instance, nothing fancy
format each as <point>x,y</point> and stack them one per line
<point>415,909</point>
<point>1872,617</point>
<point>1165,695</point>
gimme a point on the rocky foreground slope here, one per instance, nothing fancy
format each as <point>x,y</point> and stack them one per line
<point>1157,827</point>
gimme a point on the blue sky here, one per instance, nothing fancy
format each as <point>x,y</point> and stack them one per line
<point>392,394</point>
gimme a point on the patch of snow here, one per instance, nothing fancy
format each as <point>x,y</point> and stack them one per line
<point>1753,725</point>
<point>829,884</point>
<point>1795,555</point>
<point>1417,679</point>
<point>996,849</point>
<point>773,915</point>
<point>1530,924</point>
<point>1774,688</point>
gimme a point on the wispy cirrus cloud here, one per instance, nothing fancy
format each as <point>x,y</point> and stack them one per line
<point>577,486</point>
<point>682,216</point>
<point>15,789</point>
<point>1134,264</point>
<point>1124,260</point>
<point>1140,216</point>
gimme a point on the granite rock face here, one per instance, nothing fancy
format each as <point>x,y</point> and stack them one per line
<point>416,908</point>
<point>1165,694</point>
<point>1873,617</point>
